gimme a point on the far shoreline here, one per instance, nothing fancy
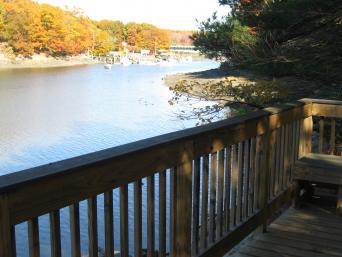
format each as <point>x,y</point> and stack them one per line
<point>46,62</point>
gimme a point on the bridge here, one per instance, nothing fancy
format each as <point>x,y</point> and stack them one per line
<point>183,49</point>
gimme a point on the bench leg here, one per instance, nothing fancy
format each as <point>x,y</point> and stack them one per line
<point>304,194</point>
<point>339,200</point>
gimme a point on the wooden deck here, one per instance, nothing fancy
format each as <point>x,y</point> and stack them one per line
<point>308,232</point>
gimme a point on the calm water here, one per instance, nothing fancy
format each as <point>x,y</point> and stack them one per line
<point>52,114</point>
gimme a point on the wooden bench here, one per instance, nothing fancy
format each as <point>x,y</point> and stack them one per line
<point>321,168</point>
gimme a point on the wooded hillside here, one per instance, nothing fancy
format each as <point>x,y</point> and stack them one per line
<point>27,27</point>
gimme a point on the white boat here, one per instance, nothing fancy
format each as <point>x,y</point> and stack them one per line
<point>108,66</point>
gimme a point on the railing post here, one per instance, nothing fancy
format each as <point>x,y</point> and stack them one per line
<point>183,203</point>
<point>7,234</point>
<point>305,137</point>
<point>339,200</point>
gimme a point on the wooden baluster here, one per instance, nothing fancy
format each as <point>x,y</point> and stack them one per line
<point>162,214</point>
<point>195,213</point>
<point>332,136</point>
<point>212,207</point>
<point>296,140</point>
<point>321,135</point>
<point>274,167</point>
<point>257,187</point>
<point>262,148</point>
<point>173,210</point>
<point>293,144</point>
<point>291,152</point>
<point>268,147</point>
<point>286,164</point>
<point>33,237</point>
<point>55,234</point>
<point>219,226</point>
<point>150,216</point>
<point>282,158</point>
<point>245,178</point>
<point>235,175</point>
<point>251,181</point>
<point>109,227</point>
<point>124,221</point>
<point>137,219</point>
<point>184,198</point>
<point>301,139</point>
<point>74,212</point>
<point>7,232</point>
<point>228,179</point>
<point>275,164</point>
<point>240,184</point>
<point>92,227</point>
<point>299,128</point>
<point>204,210</point>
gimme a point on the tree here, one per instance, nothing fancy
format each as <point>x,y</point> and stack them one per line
<point>2,20</point>
<point>225,39</point>
<point>18,24</point>
<point>292,37</point>
<point>146,36</point>
<point>116,29</point>
<point>103,43</point>
<point>132,34</point>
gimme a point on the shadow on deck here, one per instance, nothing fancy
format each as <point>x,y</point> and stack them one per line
<point>307,232</point>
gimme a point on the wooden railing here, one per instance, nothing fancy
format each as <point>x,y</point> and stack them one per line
<point>218,182</point>
<point>327,127</point>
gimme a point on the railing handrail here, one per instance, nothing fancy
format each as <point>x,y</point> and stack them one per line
<point>321,101</point>
<point>62,167</point>
<point>12,180</point>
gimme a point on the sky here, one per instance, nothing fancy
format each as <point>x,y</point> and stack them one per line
<point>175,14</point>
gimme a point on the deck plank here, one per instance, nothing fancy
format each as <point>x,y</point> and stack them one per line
<point>307,232</point>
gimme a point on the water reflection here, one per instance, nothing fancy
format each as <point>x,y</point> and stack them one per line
<point>52,114</point>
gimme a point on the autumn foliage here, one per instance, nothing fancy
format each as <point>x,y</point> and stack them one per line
<point>29,28</point>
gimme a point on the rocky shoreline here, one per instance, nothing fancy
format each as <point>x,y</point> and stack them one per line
<point>295,88</point>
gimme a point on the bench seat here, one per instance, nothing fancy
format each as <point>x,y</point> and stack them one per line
<point>319,168</point>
